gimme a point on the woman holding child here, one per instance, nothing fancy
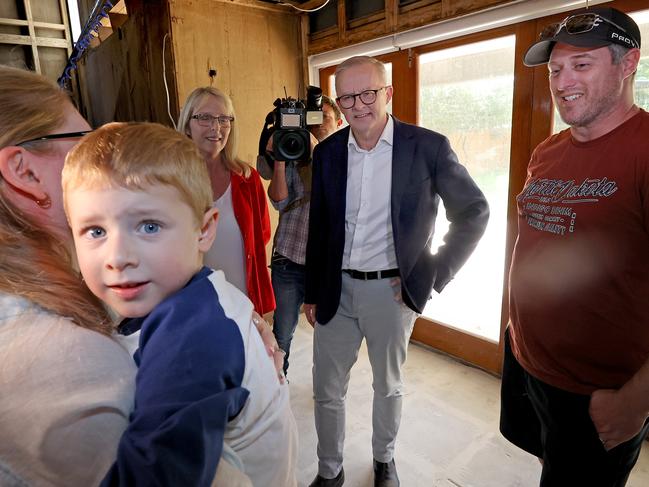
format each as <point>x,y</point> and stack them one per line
<point>139,203</point>
<point>66,380</point>
<point>208,118</point>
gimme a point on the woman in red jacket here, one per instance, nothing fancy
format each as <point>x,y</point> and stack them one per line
<point>244,225</point>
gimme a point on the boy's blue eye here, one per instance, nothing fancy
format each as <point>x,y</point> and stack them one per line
<point>96,232</point>
<point>150,227</point>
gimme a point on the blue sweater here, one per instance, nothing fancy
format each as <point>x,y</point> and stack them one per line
<point>191,361</point>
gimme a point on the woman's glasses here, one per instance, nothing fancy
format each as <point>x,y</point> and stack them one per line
<point>207,120</point>
<point>580,24</point>
<point>66,135</point>
<point>367,97</point>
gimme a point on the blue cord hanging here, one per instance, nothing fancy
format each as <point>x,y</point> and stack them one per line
<point>99,11</point>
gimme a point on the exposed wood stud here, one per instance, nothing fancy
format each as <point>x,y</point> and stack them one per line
<point>342,22</point>
<point>31,41</point>
<point>66,26</point>
<point>32,35</point>
<point>304,48</point>
<point>391,14</point>
<point>24,23</point>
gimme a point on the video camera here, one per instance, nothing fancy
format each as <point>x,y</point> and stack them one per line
<point>288,124</point>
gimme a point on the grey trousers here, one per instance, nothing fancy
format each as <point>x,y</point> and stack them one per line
<point>367,310</point>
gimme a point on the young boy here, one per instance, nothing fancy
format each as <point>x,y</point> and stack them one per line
<point>139,203</point>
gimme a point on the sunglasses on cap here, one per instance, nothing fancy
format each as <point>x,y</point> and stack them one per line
<point>580,24</point>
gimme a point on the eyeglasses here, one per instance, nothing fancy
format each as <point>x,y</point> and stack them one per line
<point>207,120</point>
<point>580,24</point>
<point>367,97</point>
<point>67,135</point>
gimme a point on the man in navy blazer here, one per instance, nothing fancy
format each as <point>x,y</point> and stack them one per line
<point>375,194</point>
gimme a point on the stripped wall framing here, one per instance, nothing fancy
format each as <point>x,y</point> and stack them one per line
<point>35,34</point>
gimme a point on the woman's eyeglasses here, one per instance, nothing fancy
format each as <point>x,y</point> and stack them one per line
<point>580,24</point>
<point>207,120</point>
<point>66,135</point>
<point>367,97</point>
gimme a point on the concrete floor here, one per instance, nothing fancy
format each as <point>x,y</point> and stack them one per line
<point>449,429</point>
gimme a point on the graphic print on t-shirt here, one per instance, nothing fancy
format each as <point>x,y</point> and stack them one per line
<point>550,205</point>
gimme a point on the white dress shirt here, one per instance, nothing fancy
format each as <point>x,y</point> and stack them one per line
<point>369,243</point>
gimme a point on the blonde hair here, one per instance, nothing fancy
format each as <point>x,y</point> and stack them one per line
<point>34,264</point>
<point>229,153</point>
<point>360,60</point>
<point>138,155</point>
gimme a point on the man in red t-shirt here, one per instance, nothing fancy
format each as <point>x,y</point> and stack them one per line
<point>575,388</point>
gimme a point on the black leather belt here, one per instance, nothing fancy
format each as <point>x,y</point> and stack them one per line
<point>366,276</point>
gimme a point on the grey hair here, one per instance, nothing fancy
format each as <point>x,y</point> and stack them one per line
<point>359,60</point>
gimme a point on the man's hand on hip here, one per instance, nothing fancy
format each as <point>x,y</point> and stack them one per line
<point>309,312</point>
<point>614,418</point>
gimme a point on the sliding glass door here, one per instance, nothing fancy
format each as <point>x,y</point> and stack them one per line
<point>466,93</point>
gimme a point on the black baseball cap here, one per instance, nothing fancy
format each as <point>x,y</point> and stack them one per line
<point>593,27</point>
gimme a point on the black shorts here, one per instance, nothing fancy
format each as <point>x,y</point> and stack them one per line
<point>555,426</point>
<point>518,420</point>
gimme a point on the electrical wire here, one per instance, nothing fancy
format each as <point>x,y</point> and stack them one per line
<point>304,10</point>
<point>164,78</point>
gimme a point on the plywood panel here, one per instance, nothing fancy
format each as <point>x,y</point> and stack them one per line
<point>16,55</point>
<point>122,78</point>
<point>256,53</point>
<point>47,11</point>
<point>52,60</point>
<point>9,10</point>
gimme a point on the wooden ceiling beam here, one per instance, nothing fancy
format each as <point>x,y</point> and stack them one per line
<point>24,23</point>
<point>32,41</point>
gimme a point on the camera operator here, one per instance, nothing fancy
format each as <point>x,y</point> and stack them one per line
<point>290,193</point>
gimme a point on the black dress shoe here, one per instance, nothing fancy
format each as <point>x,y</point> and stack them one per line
<point>385,474</point>
<point>338,481</point>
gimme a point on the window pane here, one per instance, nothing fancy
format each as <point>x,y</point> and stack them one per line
<point>324,18</point>
<point>357,10</point>
<point>466,94</point>
<point>641,77</point>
